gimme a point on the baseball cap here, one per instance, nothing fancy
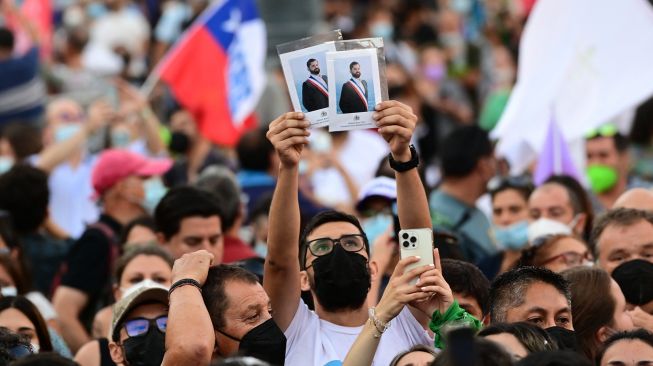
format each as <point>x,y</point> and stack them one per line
<point>114,165</point>
<point>379,187</point>
<point>635,278</point>
<point>139,294</point>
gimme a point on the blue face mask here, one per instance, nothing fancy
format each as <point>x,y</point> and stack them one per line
<point>382,29</point>
<point>154,191</point>
<point>66,131</point>
<point>513,237</point>
<point>376,225</point>
<point>120,139</point>
<point>5,164</point>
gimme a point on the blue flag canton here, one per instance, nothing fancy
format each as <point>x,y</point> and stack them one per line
<point>224,23</point>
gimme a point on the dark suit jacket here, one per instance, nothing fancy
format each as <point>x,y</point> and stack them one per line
<point>350,101</point>
<point>312,97</point>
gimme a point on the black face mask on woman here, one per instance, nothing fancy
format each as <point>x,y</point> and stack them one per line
<point>179,143</point>
<point>341,279</point>
<point>145,350</point>
<point>265,342</point>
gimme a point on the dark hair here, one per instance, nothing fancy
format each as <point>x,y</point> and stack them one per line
<point>466,279</point>
<point>9,340</point>
<point>254,151</point>
<point>579,199</point>
<point>181,203</point>
<point>137,250</point>
<point>589,311</point>
<point>144,221</point>
<point>523,190</point>
<point>533,338</point>
<point>77,38</point>
<point>416,348</point>
<point>621,217</point>
<point>213,291</point>
<point>482,353</point>
<point>509,289</point>
<point>44,359</point>
<point>351,65</point>
<point>320,219</point>
<point>555,358</point>
<point>642,335</point>
<point>28,309</point>
<point>15,272</point>
<point>222,183</point>
<point>309,62</point>
<point>621,142</point>
<point>538,253</point>
<point>25,139</point>
<point>7,39</point>
<point>25,194</point>
<point>462,149</point>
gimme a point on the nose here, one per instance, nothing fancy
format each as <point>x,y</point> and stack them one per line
<point>550,322</point>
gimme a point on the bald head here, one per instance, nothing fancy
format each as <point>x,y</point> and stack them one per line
<point>637,198</point>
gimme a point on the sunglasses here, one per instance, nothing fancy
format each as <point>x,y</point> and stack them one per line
<point>140,326</point>
<point>609,130</point>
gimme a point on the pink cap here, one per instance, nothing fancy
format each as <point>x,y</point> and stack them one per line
<point>113,165</point>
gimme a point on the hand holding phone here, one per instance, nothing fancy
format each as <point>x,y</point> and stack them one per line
<point>416,242</point>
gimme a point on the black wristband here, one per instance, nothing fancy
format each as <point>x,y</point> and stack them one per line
<point>405,166</point>
<point>184,282</point>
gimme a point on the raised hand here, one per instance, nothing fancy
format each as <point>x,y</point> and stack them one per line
<point>193,265</point>
<point>396,122</point>
<point>440,296</point>
<point>289,134</point>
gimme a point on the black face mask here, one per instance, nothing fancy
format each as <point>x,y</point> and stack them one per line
<point>179,142</point>
<point>265,342</point>
<point>342,280</point>
<point>145,350</point>
<point>565,338</point>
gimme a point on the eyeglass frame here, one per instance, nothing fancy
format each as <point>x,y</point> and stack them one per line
<point>150,321</point>
<point>587,256</point>
<point>307,246</point>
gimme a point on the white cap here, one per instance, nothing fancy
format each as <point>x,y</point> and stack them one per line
<point>383,187</point>
<point>545,226</point>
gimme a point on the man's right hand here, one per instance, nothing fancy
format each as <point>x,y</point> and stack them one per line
<point>192,265</point>
<point>99,115</point>
<point>289,133</point>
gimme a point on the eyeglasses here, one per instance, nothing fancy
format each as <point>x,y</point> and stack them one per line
<point>608,130</point>
<point>513,181</point>
<point>70,117</point>
<point>324,246</point>
<point>572,259</point>
<point>139,326</point>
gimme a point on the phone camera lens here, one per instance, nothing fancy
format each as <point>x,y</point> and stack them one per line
<point>405,236</point>
<point>413,239</point>
<point>406,244</point>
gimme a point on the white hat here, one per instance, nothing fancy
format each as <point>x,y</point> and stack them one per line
<point>382,187</point>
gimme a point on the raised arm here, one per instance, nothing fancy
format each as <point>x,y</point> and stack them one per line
<point>289,134</point>
<point>396,123</point>
<point>189,337</point>
<point>149,121</point>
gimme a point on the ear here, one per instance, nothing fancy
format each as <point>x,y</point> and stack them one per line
<point>117,353</point>
<point>580,225</point>
<point>161,238</point>
<point>374,270</point>
<point>602,334</point>
<point>303,281</point>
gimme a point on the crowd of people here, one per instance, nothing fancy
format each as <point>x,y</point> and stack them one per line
<point>128,238</point>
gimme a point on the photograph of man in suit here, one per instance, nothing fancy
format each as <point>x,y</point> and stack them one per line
<point>315,91</point>
<point>353,98</point>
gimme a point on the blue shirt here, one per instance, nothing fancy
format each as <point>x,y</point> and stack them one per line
<point>22,92</point>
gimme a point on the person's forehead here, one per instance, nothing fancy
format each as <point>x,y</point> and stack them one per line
<point>244,296</point>
<point>549,195</point>
<point>628,349</point>
<point>14,319</point>
<point>146,263</point>
<point>600,144</point>
<point>333,230</point>
<point>508,197</point>
<point>544,295</point>
<point>199,224</point>
<point>629,238</point>
<point>568,245</point>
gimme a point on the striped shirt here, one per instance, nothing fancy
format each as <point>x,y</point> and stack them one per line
<point>22,92</point>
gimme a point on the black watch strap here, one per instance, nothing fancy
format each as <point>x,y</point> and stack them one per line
<point>405,166</point>
<point>184,282</point>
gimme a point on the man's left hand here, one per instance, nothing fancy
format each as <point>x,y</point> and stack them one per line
<point>396,122</point>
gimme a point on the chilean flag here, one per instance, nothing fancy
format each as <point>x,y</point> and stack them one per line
<point>39,13</point>
<point>216,70</point>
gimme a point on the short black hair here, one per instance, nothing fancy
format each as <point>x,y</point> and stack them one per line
<point>44,359</point>
<point>642,335</point>
<point>7,39</point>
<point>462,149</point>
<point>144,221</point>
<point>482,352</point>
<point>509,289</point>
<point>254,151</point>
<point>466,279</point>
<point>351,65</point>
<point>25,139</point>
<point>533,338</point>
<point>138,250</point>
<point>309,62</point>
<point>322,218</point>
<point>621,217</point>
<point>213,291</point>
<point>24,193</point>
<point>621,142</point>
<point>180,203</point>
<point>222,183</point>
<point>523,189</point>
<point>555,358</point>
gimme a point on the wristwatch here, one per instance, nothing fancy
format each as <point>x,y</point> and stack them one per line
<point>405,166</point>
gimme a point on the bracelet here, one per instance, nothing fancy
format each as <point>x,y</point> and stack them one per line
<point>380,326</point>
<point>376,334</point>
<point>184,282</point>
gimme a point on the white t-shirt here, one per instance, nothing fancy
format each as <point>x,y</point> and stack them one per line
<point>313,341</point>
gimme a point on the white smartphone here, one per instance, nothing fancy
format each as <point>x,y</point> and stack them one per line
<point>416,242</point>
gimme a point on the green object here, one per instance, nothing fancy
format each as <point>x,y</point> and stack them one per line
<point>455,316</point>
<point>608,130</point>
<point>165,134</point>
<point>493,109</point>
<point>602,178</point>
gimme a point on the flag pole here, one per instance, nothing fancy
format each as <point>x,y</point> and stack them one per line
<point>148,86</point>
<point>557,153</point>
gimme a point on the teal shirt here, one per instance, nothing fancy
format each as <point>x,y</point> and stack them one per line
<point>468,223</point>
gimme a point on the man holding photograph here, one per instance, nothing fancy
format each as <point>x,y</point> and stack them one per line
<point>315,90</point>
<point>353,98</point>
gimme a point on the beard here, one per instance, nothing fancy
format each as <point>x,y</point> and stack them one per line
<point>316,71</point>
<point>356,74</point>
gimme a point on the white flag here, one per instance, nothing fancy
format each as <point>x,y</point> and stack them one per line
<point>587,61</point>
